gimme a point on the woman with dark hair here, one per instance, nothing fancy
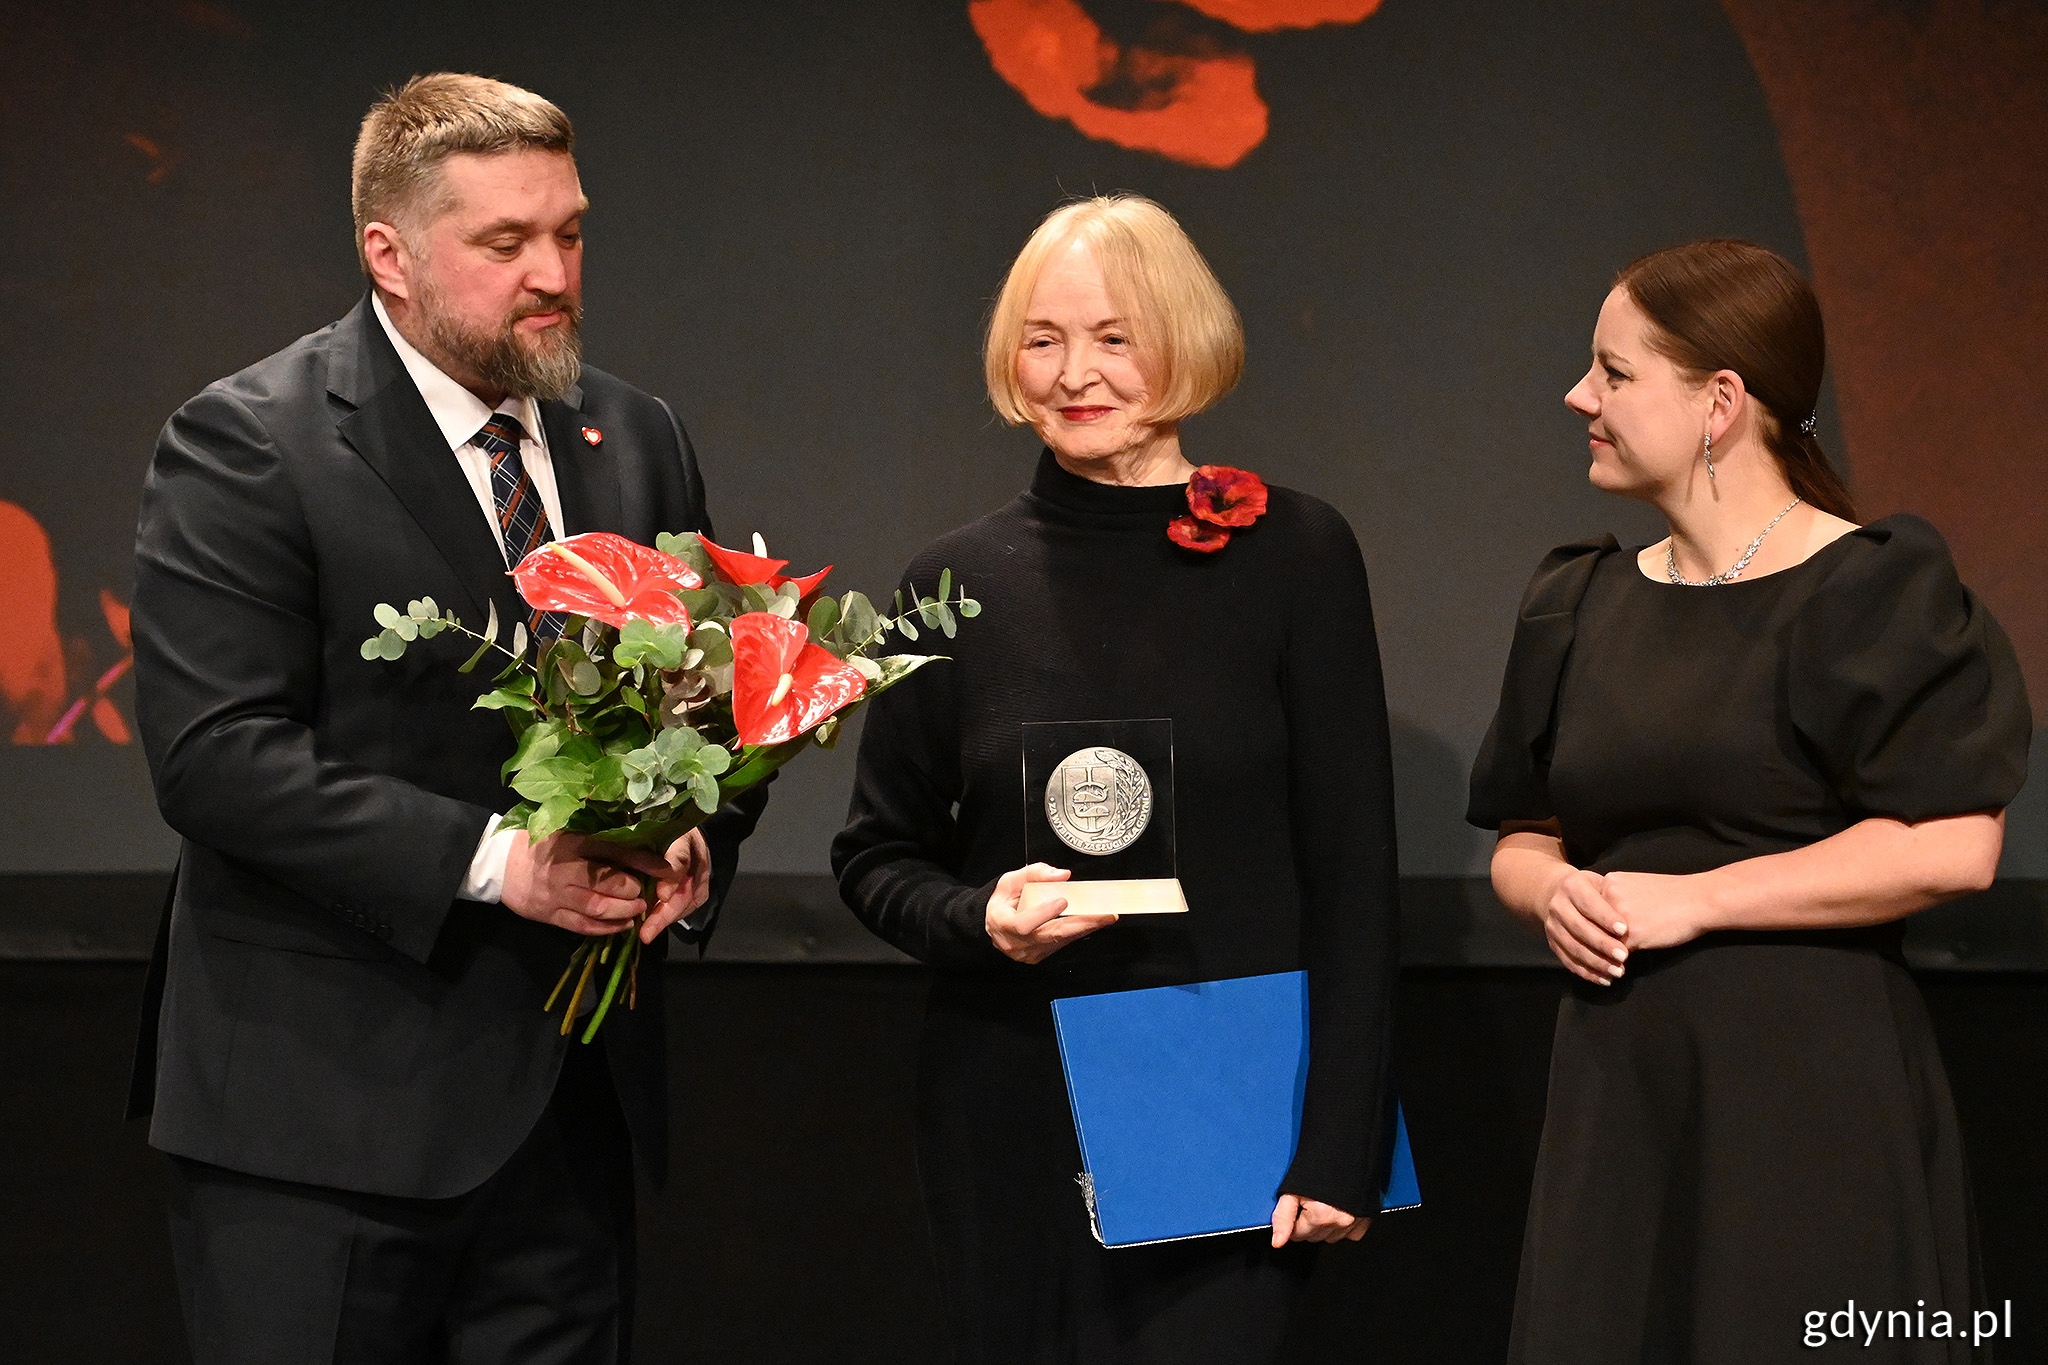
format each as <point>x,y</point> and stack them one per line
<point>1725,768</point>
<point>1104,600</point>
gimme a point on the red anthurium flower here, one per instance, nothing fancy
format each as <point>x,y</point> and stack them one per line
<point>737,567</point>
<point>740,569</point>
<point>608,578</point>
<point>1224,496</point>
<point>782,684</point>
<point>1190,534</point>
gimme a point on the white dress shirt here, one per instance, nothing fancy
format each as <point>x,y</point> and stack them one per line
<point>461,415</point>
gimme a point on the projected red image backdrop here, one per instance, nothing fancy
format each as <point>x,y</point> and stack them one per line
<point>50,686</point>
<point>1186,90</point>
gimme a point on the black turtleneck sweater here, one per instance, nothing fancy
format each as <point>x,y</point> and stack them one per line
<point>1263,655</point>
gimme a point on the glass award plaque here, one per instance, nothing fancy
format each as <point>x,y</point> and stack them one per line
<point>1098,801</point>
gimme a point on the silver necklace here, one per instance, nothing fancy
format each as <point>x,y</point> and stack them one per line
<point>1730,574</point>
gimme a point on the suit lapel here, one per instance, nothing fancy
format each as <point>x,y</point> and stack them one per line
<point>391,429</point>
<point>586,476</point>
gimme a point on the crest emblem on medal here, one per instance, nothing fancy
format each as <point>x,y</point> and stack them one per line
<point>1099,800</point>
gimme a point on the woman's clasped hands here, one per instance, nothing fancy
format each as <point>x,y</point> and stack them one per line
<point>1593,921</point>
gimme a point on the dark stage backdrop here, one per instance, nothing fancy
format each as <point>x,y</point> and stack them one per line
<point>801,211</point>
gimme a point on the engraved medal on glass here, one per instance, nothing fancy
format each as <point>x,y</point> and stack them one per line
<point>1098,801</point>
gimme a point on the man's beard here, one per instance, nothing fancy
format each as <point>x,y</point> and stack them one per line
<point>545,367</point>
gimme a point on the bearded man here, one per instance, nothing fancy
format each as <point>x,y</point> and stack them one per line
<point>380,1149</point>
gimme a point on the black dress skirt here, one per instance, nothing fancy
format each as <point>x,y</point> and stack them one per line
<point>1263,656</point>
<point>1753,1127</point>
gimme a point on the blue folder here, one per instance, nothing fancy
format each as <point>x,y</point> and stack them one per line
<point>1187,1100</point>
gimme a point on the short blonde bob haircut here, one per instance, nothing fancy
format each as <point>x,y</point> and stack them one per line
<point>410,131</point>
<point>1186,332</point>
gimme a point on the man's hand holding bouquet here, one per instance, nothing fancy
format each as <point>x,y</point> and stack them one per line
<point>658,684</point>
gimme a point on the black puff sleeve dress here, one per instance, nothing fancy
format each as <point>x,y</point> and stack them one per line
<point>1264,657</point>
<point>1754,1126</point>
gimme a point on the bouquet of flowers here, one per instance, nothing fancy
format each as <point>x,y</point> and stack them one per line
<point>682,675</point>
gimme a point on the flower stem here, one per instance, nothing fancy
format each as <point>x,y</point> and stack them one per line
<point>482,638</point>
<point>574,958</point>
<point>611,985</point>
<point>575,999</point>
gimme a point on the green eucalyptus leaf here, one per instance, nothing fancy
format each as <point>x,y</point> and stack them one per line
<point>945,584</point>
<point>927,612</point>
<point>703,604</point>
<point>909,631</point>
<point>643,642</point>
<point>406,629</point>
<point>469,665</point>
<point>432,608</point>
<point>688,548</point>
<point>717,647</point>
<point>824,616</point>
<point>634,638</point>
<point>519,638</point>
<point>704,791</point>
<point>859,616</point>
<point>585,678</point>
<point>678,748</point>
<point>491,625</point>
<point>386,614</point>
<point>969,608</point>
<point>391,645</point>
<point>418,610</point>
<point>372,648</point>
<point>946,621</point>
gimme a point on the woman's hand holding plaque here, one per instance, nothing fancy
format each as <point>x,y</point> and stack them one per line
<point>1033,935</point>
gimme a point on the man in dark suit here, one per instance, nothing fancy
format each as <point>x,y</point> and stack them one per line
<point>381,1149</point>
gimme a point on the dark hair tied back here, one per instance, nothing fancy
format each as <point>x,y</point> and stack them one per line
<point>1732,305</point>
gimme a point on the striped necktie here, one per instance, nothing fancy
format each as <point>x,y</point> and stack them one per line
<point>522,516</point>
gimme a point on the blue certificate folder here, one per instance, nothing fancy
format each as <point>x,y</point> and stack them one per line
<point>1187,1100</point>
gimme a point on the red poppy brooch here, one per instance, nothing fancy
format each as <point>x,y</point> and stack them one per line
<point>1219,498</point>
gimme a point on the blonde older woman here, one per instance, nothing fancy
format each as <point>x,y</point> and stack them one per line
<point>1106,598</point>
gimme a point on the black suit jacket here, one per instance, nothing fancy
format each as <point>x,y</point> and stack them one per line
<point>330,1012</point>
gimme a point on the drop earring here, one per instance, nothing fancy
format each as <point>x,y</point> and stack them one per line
<point>1709,443</point>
